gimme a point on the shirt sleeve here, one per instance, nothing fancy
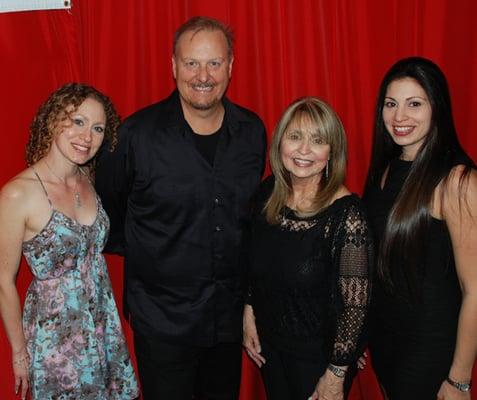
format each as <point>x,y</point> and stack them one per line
<point>113,181</point>
<point>258,201</point>
<point>353,256</point>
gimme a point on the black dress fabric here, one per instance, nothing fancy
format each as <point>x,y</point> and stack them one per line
<point>412,340</point>
<point>309,279</point>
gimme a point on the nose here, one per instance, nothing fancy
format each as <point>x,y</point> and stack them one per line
<point>87,135</point>
<point>203,73</point>
<point>400,114</point>
<point>304,146</point>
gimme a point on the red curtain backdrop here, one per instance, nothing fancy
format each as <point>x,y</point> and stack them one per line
<point>335,49</point>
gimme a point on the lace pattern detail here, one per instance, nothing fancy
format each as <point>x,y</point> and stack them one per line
<point>342,238</point>
<point>295,225</point>
<point>353,253</point>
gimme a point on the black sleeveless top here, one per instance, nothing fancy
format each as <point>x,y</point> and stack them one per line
<point>413,341</point>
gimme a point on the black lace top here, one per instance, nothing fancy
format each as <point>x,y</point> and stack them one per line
<point>309,278</point>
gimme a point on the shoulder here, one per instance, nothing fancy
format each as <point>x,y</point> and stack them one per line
<point>165,112</point>
<point>145,115</point>
<point>349,209</point>
<point>265,190</point>
<point>458,181</point>
<point>19,193</point>
<point>351,226</point>
<point>345,200</point>
<point>461,186</point>
<point>340,193</point>
<point>239,114</point>
<point>461,172</point>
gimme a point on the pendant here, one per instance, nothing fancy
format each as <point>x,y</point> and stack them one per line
<point>77,200</point>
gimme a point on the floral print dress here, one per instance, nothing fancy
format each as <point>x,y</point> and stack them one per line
<point>74,338</point>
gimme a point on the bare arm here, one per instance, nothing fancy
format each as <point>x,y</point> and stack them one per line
<point>460,213</point>
<point>12,221</point>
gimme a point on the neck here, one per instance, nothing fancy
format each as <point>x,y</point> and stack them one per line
<point>303,192</point>
<point>61,170</point>
<point>407,157</point>
<point>204,122</point>
<point>409,153</point>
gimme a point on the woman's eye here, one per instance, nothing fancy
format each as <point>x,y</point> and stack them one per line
<point>99,129</point>
<point>78,121</point>
<point>414,103</point>
<point>389,104</point>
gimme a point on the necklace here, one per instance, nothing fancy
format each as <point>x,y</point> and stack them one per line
<point>76,194</point>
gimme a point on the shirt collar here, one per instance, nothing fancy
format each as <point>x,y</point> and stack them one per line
<point>174,116</point>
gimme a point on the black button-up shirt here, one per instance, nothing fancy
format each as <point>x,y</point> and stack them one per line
<point>179,221</point>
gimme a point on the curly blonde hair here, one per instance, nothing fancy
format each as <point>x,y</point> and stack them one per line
<point>55,110</point>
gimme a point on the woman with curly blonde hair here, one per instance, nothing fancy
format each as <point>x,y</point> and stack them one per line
<point>68,343</point>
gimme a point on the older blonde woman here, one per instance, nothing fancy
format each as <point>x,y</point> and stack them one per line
<point>310,252</point>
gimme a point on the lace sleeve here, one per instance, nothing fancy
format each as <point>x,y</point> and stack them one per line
<point>353,256</point>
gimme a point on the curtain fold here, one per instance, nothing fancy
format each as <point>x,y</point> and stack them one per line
<point>335,49</point>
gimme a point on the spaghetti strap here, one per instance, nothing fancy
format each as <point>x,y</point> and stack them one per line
<point>88,177</point>
<point>43,186</point>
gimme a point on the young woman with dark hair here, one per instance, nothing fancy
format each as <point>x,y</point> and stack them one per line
<point>421,192</point>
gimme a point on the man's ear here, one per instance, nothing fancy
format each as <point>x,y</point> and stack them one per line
<point>174,65</point>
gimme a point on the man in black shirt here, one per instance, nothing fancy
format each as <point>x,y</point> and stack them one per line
<point>177,189</point>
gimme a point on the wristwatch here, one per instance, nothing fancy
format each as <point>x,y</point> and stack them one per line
<point>339,372</point>
<point>463,387</point>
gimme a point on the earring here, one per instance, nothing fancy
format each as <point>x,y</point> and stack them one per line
<point>326,169</point>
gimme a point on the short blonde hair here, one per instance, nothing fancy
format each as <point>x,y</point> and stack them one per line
<point>329,127</point>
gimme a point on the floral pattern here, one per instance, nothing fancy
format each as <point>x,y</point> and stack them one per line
<point>74,338</point>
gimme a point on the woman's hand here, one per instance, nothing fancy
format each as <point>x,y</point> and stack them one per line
<point>251,341</point>
<point>361,363</point>
<point>20,361</point>
<point>329,387</point>
<point>449,392</point>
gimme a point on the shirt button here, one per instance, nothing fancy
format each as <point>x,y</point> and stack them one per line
<point>218,229</point>
<point>216,201</point>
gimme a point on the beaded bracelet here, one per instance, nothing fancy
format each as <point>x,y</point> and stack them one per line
<point>20,361</point>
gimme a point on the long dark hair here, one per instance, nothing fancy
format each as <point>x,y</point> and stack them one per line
<point>401,251</point>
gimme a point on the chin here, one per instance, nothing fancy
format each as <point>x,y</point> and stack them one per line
<point>81,160</point>
<point>204,106</point>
